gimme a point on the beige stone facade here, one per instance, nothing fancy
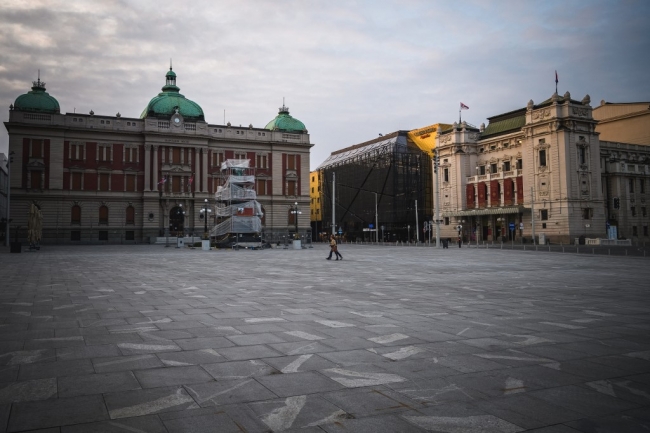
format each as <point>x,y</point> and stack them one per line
<point>623,122</point>
<point>99,178</point>
<point>533,171</point>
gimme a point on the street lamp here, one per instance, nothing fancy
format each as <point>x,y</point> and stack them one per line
<point>295,212</point>
<point>205,219</point>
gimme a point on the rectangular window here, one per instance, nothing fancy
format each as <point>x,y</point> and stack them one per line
<point>582,155</point>
<point>217,158</point>
<point>544,214</point>
<point>261,161</point>
<point>104,153</point>
<point>446,221</point>
<point>644,211</point>
<point>542,158</point>
<point>633,210</point>
<point>506,165</point>
<point>176,184</point>
<point>103,181</point>
<point>445,173</point>
<point>493,168</point>
<point>642,186</point>
<point>176,155</point>
<point>240,155</point>
<point>481,170</point>
<point>37,177</point>
<point>291,187</point>
<point>645,230</point>
<point>586,213</point>
<point>260,186</point>
<point>76,181</point>
<point>634,231</point>
<point>37,148</point>
<point>291,162</point>
<point>76,152</point>
<point>520,164</point>
<point>130,182</point>
<point>631,181</point>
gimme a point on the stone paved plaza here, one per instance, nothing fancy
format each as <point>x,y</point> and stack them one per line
<point>391,339</point>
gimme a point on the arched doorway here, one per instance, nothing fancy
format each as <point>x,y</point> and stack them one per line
<point>177,221</point>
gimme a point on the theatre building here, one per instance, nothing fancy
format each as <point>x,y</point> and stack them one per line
<point>108,178</point>
<point>532,171</point>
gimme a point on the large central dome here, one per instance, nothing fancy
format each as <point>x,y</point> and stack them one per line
<point>169,100</point>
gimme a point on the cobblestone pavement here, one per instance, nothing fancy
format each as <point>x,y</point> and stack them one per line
<point>391,339</point>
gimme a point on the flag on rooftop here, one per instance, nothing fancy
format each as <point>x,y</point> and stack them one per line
<point>463,106</point>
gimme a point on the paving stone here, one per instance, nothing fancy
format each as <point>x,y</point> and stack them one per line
<point>298,412</point>
<point>286,385</point>
<point>377,424</point>
<point>203,343</point>
<point>299,363</point>
<point>229,392</point>
<point>122,363</point>
<point>149,424</point>
<point>69,353</point>
<point>371,401</point>
<point>30,390</point>
<point>585,401</point>
<point>56,412</point>
<point>528,412</point>
<point>168,376</point>
<point>98,383</point>
<point>129,404</point>
<point>239,369</point>
<point>248,352</point>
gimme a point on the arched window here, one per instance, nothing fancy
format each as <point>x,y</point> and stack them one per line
<point>75,214</point>
<point>103,215</point>
<point>130,215</point>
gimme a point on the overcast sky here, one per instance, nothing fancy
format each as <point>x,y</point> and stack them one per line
<point>349,70</point>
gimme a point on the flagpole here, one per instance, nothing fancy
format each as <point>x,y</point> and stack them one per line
<point>459,120</point>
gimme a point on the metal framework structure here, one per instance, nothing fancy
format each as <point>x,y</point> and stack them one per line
<point>393,168</point>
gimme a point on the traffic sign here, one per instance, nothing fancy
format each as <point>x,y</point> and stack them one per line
<point>512,226</point>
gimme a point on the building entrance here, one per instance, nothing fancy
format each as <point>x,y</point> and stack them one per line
<point>177,221</point>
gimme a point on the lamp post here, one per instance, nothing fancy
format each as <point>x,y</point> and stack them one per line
<point>295,212</point>
<point>436,163</point>
<point>205,219</point>
<point>10,159</point>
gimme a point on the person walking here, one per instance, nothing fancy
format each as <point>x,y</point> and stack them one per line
<point>460,242</point>
<point>334,249</point>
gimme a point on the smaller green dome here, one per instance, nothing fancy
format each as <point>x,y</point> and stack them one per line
<point>167,102</point>
<point>37,100</point>
<point>284,122</point>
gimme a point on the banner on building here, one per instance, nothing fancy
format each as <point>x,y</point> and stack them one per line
<point>425,138</point>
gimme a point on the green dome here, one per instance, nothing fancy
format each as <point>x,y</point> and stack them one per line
<point>169,100</point>
<point>37,100</point>
<point>284,122</point>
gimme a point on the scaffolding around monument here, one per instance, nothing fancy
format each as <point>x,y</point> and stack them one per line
<point>238,214</point>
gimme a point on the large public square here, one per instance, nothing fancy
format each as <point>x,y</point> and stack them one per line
<point>145,338</point>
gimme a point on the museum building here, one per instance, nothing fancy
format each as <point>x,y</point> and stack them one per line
<point>99,178</point>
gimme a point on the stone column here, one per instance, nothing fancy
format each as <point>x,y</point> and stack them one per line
<point>147,167</point>
<point>155,167</point>
<point>204,183</point>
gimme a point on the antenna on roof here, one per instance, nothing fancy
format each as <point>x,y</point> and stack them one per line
<point>39,75</point>
<point>170,63</point>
